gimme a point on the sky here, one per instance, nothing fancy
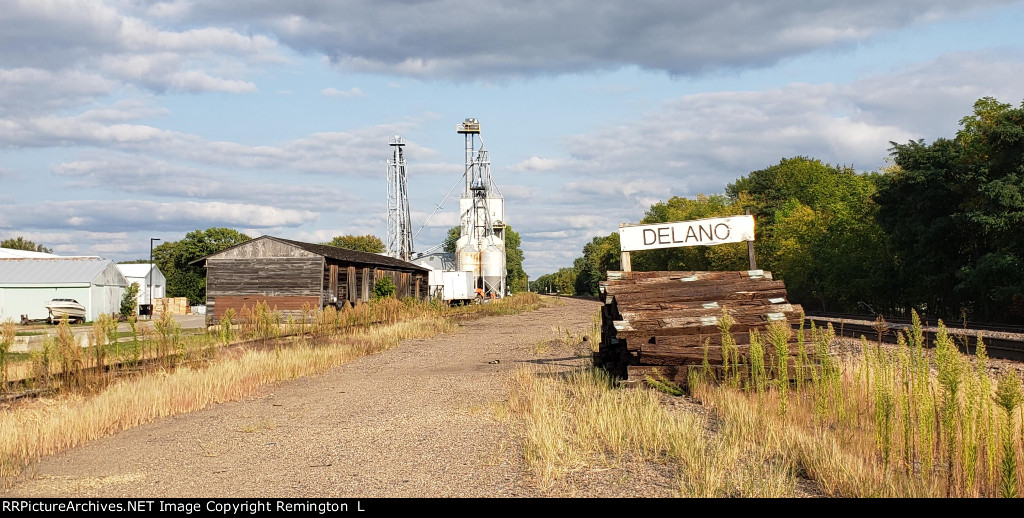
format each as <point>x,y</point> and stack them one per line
<point>126,120</point>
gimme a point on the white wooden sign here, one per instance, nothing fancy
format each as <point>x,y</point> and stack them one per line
<point>712,231</point>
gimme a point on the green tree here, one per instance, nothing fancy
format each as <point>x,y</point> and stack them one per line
<point>816,231</point>
<point>20,243</point>
<point>731,256</point>
<point>599,255</point>
<point>562,282</point>
<point>368,243</point>
<point>452,239</point>
<point>954,209</point>
<point>128,300</point>
<point>173,258</point>
<point>515,276</point>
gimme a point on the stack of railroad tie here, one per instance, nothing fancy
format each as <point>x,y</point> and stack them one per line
<point>664,323</point>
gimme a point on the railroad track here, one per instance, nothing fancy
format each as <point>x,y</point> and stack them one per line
<point>1003,342</point>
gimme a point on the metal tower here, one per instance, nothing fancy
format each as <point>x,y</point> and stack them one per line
<point>399,226</point>
<point>481,247</point>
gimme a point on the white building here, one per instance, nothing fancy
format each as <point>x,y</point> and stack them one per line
<point>146,275</point>
<point>28,283</point>
<point>14,253</point>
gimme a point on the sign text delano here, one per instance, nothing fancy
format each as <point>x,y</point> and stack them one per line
<point>713,231</point>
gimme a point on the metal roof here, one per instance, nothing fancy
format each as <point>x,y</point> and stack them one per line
<point>333,252</point>
<point>55,270</point>
<point>139,270</point>
<point>6,253</point>
<point>352,256</point>
<point>444,261</point>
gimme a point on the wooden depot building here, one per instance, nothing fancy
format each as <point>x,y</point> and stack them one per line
<point>288,275</point>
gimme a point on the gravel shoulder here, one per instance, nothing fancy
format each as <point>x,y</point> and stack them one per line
<point>419,420</point>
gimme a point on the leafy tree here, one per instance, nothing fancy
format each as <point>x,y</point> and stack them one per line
<point>954,209</point>
<point>599,255</point>
<point>128,300</point>
<point>452,239</point>
<point>20,243</point>
<point>173,258</point>
<point>515,276</point>
<point>562,282</point>
<point>816,231</point>
<point>368,243</point>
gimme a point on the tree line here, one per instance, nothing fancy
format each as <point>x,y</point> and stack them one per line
<point>938,230</point>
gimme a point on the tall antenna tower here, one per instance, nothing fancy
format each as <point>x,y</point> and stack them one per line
<point>399,226</point>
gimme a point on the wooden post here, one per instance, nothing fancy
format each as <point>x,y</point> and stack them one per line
<point>332,285</point>
<point>627,264</point>
<point>367,282</point>
<point>750,246</point>
<point>350,285</point>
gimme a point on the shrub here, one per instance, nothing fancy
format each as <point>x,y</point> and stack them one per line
<point>128,302</point>
<point>384,287</point>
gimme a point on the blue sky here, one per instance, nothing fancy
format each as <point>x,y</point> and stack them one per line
<point>122,120</point>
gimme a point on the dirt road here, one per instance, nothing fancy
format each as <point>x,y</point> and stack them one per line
<point>420,420</point>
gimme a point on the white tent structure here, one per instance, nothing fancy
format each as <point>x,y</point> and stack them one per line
<point>28,283</point>
<point>146,275</point>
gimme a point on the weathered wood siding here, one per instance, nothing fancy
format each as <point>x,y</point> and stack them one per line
<point>298,277</point>
<point>263,248</point>
<point>284,305</point>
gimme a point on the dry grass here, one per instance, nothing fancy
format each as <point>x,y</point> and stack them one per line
<point>903,422</point>
<point>49,426</point>
<point>7,334</point>
<point>41,427</point>
<point>580,421</point>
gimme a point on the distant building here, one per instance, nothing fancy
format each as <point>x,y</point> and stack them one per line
<point>289,275</point>
<point>141,273</point>
<point>437,263</point>
<point>28,283</point>
<point>15,253</point>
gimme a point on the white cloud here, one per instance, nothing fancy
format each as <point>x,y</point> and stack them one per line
<point>442,219</point>
<point>700,142</point>
<point>540,164</point>
<point>521,40</point>
<point>140,175</point>
<point>127,215</point>
<point>513,192</point>
<point>33,90</point>
<point>70,38</point>
<point>346,94</point>
<point>347,153</point>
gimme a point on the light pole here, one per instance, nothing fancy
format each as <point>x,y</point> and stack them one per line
<point>151,275</point>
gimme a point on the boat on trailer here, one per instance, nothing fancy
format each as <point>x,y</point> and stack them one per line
<point>70,308</point>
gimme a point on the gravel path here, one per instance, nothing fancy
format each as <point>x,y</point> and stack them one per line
<point>420,420</point>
